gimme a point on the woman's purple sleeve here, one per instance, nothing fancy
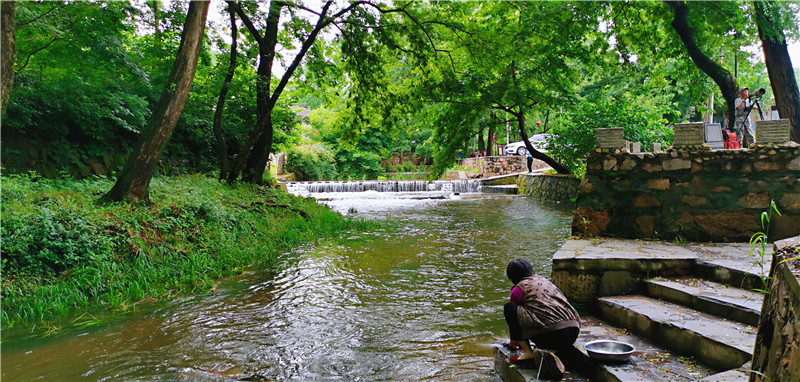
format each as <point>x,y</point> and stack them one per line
<point>516,295</point>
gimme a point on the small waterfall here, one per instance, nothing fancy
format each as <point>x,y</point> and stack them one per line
<point>450,186</point>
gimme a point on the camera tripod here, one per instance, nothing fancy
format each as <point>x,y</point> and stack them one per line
<point>747,109</point>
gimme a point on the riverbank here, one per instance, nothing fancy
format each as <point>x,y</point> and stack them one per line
<point>64,256</point>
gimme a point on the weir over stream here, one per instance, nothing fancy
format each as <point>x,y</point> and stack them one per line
<point>455,186</point>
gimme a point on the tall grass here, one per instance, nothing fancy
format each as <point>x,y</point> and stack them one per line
<point>63,254</point>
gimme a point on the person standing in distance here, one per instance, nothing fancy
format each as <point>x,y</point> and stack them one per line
<point>745,131</point>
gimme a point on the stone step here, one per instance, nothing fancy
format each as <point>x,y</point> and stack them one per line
<point>713,341</point>
<point>511,373</point>
<point>709,297</point>
<point>650,361</point>
<point>734,264</point>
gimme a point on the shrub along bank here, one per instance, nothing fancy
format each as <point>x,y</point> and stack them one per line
<point>63,254</point>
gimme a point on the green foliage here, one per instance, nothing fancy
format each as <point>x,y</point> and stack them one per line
<point>311,162</point>
<point>575,138</point>
<point>356,164</point>
<point>63,254</point>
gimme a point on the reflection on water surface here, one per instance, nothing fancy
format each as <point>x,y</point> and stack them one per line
<point>419,299</point>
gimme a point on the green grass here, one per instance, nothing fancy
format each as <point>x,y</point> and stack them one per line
<point>64,255</point>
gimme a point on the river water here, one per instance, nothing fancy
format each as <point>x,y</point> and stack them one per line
<point>419,299</point>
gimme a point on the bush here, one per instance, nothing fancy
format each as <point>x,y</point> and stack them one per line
<point>575,138</point>
<point>311,162</point>
<point>355,164</point>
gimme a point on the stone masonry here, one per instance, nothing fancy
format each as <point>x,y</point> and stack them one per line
<point>777,350</point>
<point>694,194</point>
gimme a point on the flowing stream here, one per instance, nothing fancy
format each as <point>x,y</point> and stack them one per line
<point>419,299</point>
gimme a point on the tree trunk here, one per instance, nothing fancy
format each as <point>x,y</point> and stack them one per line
<point>246,161</point>
<point>8,40</point>
<point>779,65</point>
<point>222,148</point>
<point>481,146</point>
<point>535,153</point>
<point>133,182</point>
<point>524,135</point>
<point>253,172</point>
<point>721,76</point>
<point>264,125</point>
<point>490,140</point>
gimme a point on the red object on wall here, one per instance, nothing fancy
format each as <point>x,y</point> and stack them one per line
<point>732,142</point>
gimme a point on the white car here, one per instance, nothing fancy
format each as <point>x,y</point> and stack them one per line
<point>538,141</point>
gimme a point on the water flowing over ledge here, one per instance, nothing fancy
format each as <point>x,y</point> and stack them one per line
<point>455,186</point>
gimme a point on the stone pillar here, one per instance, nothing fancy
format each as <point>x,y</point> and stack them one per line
<point>280,160</point>
<point>610,138</point>
<point>776,132</point>
<point>655,147</point>
<point>689,134</point>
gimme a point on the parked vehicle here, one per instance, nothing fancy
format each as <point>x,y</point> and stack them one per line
<point>538,141</point>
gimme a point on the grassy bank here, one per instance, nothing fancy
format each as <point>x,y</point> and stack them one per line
<point>62,254</point>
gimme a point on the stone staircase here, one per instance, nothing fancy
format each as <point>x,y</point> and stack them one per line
<point>699,325</point>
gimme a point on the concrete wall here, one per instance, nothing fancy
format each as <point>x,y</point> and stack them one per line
<point>777,350</point>
<point>501,165</point>
<point>692,193</point>
<point>549,187</point>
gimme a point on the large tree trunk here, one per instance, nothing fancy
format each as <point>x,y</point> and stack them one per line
<point>133,182</point>
<point>8,40</point>
<point>721,76</point>
<point>779,65</point>
<point>260,139</point>
<point>222,148</point>
<point>264,130</point>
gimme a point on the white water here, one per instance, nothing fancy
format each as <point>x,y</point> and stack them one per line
<point>448,186</point>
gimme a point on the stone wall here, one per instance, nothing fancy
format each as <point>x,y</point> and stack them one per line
<point>690,193</point>
<point>549,187</point>
<point>777,350</point>
<point>502,165</point>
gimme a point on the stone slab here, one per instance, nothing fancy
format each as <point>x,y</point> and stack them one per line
<point>511,373</point>
<point>650,361</point>
<point>721,343</point>
<point>614,254</point>
<point>710,297</point>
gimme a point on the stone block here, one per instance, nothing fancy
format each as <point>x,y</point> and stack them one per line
<point>646,200</point>
<point>628,164</point>
<point>655,147</point>
<point>754,200</point>
<point>646,224</point>
<point>694,201</point>
<point>777,131</point>
<point>652,167</point>
<point>676,164</point>
<point>577,287</point>
<point>789,202</point>
<point>658,184</point>
<point>767,166</point>
<point>635,147</point>
<point>610,138</point>
<point>616,283</point>
<point>609,164</point>
<point>590,222</point>
<point>689,134</point>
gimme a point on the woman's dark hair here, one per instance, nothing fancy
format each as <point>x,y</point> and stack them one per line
<point>518,269</point>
